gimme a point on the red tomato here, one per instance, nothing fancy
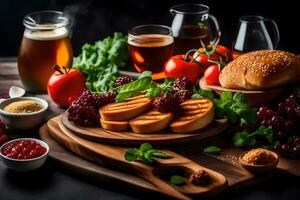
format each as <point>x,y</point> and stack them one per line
<point>211,75</point>
<point>178,67</point>
<point>61,86</point>
<point>220,53</point>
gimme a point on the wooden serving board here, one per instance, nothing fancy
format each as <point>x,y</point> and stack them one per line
<point>254,97</point>
<point>114,156</point>
<point>129,137</point>
<point>226,163</point>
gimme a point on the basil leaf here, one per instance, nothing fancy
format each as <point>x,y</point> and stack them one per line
<point>153,92</point>
<point>266,133</point>
<point>132,155</point>
<point>212,150</point>
<point>145,147</point>
<point>145,74</point>
<point>138,85</point>
<point>124,96</point>
<point>177,180</point>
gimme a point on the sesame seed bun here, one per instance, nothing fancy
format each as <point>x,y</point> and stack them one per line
<point>259,70</point>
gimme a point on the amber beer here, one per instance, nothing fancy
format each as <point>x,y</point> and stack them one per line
<point>151,49</point>
<point>41,48</point>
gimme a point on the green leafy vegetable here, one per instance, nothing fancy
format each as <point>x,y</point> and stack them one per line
<point>244,138</point>
<point>144,84</point>
<point>145,154</point>
<point>235,108</point>
<point>177,180</point>
<point>100,62</point>
<point>212,150</point>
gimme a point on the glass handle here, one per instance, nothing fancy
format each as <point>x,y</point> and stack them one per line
<point>217,30</point>
<point>276,35</point>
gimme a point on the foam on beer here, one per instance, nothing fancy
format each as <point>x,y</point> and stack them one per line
<point>150,40</point>
<point>46,34</point>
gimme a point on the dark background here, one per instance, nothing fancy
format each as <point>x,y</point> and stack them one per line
<point>95,19</point>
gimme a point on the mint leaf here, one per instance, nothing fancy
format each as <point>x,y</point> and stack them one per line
<point>212,150</point>
<point>177,180</point>
<point>240,97</point>
<point>132,155</point>
<point>203,94</point>
<point>145,147</point>
<point>145,74</point>
<point>266,133</point>
<point>241,139</point>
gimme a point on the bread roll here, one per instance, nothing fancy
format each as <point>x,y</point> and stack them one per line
<point>259,70</point>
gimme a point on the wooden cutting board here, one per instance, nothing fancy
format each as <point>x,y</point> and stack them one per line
<point>114,156</point>
<point>225,163</point>
<point>129,137</point>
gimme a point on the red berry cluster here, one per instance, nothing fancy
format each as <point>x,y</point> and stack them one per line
<point>182,89</point>
<point>85,110</point>
<point>24,149</point>
<point>122,80</point>
<point>3,136</point>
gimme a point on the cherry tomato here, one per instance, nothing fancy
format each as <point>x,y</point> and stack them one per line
<point>63,85</point>
<point>220,53</point>
<point>211,75</point>
<point>178,67</point>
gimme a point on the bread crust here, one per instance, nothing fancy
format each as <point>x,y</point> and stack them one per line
<point>260,70</point>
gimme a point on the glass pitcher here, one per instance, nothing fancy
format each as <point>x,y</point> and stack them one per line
<point>255,33</point>
<point>191,24</point>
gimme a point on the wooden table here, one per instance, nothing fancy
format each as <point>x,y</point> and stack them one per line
<point>9,77</point>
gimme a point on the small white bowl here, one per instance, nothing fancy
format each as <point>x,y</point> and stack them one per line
<point>23,120</point>
<point>25,164</point>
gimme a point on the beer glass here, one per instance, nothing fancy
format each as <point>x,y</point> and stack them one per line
<point>45,43</point>
<point>150,47</point>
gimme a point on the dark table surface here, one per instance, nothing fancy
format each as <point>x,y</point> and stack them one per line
<point>53,182</point>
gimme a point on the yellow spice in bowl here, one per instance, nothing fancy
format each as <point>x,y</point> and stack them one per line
<point>259,157</point>
<point>24,106</point>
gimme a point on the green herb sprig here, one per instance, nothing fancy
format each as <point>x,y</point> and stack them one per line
<point>244,138</point>
<point>143,85</point>
<point>145,154</point>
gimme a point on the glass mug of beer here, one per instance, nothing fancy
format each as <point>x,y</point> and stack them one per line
<point>45,43</point>
<point>150,47</point>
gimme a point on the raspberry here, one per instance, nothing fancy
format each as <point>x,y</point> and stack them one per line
<point>85,110</point>
<point>122,80</point>
<point>183,95</point>
<point>183,84</point>
<point>167,102</point>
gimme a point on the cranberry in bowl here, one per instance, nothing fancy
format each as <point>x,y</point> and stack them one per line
<point>24,154</point>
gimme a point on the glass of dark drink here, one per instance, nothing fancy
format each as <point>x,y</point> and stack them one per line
<point>192,24</point>
<point>255,33</point>
<point>45,43</point>
<point>150,47</point>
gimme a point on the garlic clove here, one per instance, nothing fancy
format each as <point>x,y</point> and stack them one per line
<point>16,91</point>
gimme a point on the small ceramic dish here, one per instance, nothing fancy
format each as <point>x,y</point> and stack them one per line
<point>23,120</point>
<point>258,169</point>
<point>24,164</point>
